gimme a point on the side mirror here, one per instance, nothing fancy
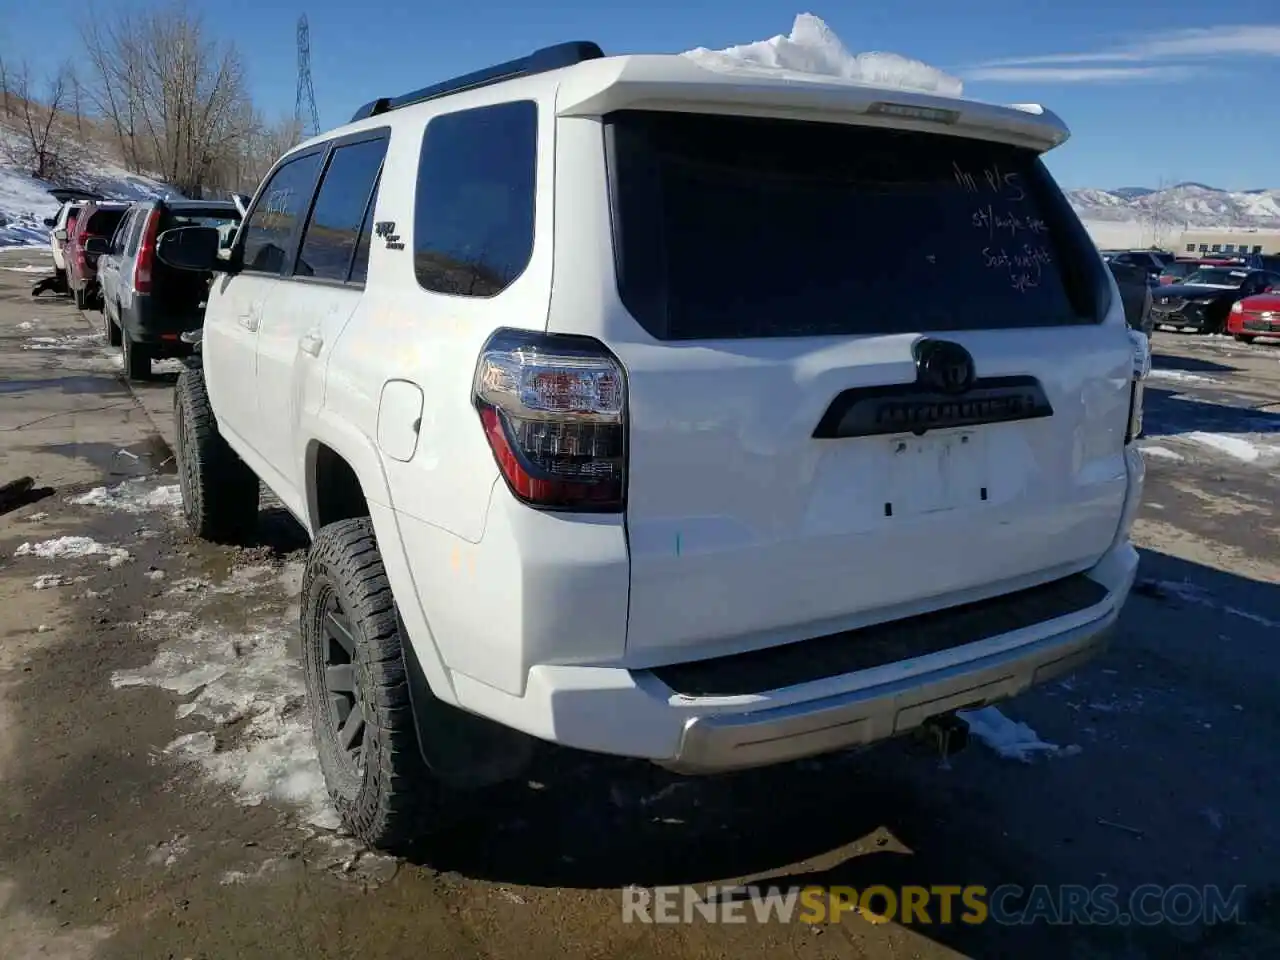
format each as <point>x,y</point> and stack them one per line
<point>97,245</point>
<point>60,235</point>
<point>50,221</point>
<point>191,248</point>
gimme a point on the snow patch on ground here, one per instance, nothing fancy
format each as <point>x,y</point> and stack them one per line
<point>47,581</point>
<point>1181,376</point>
<point>169,852</point>
<point>67,548</point>
<point>1010,739</point>
<point>264,869</point>
<point>1163,453</point>
<point>1234,446</point>
<point>29,268</point>
<point>132,496</point>
<point>812,52</point>
<point>252,681</point>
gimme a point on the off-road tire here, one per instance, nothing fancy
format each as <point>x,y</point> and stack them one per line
<point>109,328</point>
<point>137,358</point>
<point>1245,337</point>
<point>219,491</point>
<point>386,797</point>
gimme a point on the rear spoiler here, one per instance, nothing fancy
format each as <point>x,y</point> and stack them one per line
<point>666,82</point>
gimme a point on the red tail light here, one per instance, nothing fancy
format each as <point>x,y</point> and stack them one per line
<point>146,254</point>
<point>553,409</point>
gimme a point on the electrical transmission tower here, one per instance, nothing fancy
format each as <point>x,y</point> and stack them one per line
<point>304,108</point>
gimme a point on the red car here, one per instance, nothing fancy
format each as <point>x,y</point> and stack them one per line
<point>97,219</point>
<point>1255,316</point>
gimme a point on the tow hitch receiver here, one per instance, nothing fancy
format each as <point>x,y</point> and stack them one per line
<point>947,732</point>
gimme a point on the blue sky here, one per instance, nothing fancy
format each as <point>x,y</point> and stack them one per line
<point>1154,92</point>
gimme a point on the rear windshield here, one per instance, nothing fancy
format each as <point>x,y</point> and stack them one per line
<point>225,222</point>
<point>730,227</point>
<point>103,223</point>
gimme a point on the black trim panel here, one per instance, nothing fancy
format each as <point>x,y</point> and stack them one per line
<point>916,408</point>
<point>805,661</point>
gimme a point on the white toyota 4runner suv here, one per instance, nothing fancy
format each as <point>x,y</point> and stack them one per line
<point>608,432</point>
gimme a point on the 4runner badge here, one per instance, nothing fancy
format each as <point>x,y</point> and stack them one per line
<point>386,229</point>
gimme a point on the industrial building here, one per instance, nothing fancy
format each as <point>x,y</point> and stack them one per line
<point>1227,240</point>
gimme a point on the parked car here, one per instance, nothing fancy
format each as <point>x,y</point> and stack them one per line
<point>601,435</point>
<point>147,305</point>
<point>1255,316</point>
<point>1152,262</point>
<point>98,220</point>
<point>1135,291</point>
<point>60,225</point>
<point>1203,300</point>
<point>1175,270</point>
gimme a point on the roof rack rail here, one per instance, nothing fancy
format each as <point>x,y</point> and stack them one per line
<point>540,61</point>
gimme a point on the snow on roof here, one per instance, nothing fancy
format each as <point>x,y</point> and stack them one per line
<point>812,51</point>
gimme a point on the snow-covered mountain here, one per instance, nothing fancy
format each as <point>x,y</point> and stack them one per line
<point>1185,204</point>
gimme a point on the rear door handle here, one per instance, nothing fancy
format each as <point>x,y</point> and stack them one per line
<point>311,342</point>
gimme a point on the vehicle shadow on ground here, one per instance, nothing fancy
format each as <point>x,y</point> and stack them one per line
<point>1171,361</point>
<point>1171,412</point>
<point>892,816</point>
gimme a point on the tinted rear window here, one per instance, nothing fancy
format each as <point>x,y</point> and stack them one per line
<point>729,227</point>
<point>103,223</point>
<point>224,221</point>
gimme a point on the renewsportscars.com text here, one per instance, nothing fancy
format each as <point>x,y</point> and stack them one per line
<point>1008,904</point>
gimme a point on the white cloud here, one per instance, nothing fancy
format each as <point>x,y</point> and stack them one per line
<point>1132,61</point>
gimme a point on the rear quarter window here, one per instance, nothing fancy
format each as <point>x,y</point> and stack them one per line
<point>731,227</point>
<point>473,225</point>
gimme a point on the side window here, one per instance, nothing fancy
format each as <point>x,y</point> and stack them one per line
<point>122,232</point>
<point>139,222</point>
<point>473,222</point>
<point>333,230</point>
<point>1191,248</point>
<point>360,263</point>
<point>282,204</point>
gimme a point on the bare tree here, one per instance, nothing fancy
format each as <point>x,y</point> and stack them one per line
<point>5,94</point>
<point>76,101</point>
<point>175,99</point>
<point>45,150</point>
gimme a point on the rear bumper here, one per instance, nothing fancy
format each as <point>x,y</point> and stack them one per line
<point>713,743</point>
<point>1254,324</point>
<point>146,322</point>
<point>632,713</point>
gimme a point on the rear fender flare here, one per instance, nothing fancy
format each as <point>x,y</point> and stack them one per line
<point>463,750</point>
<point>362,456</point>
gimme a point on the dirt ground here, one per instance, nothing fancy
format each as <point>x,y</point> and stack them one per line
<point>159,797</point>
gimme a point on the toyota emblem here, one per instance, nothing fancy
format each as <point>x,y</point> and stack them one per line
<point>945,366</point>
